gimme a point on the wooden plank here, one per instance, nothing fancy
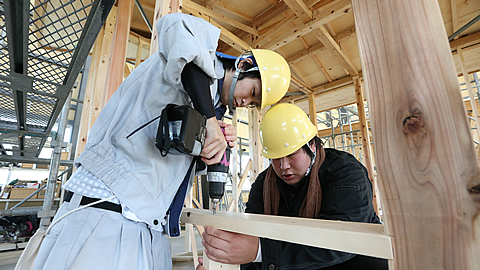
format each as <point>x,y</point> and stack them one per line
<point>312,111</point>
<point>190,5</point>
<point>423,146</point>
<point>225,35</point>
<point>319,47</point>
<point>99,92</point>
<point>119,50</point>
<point>465,41</point>
<point>366,146</point>
<point>471,94</point>
<point>240,184</point>
<point>330,100</point>
<point>300,9</point>
<point>299,84</point>
<point>271,13</point>
<point>85,123</point>
<point>322,34</point>
<point>255,146</point>
<point>360,238</point>
<point>337,10</point>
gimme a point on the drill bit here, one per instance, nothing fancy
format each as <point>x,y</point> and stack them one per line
<point>214,207</point>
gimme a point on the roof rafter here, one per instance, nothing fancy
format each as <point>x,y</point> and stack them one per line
<point>322,34</point>
<point>319,18</point>
<point>190,5</point>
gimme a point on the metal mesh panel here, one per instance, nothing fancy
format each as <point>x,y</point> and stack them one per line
<point>54,33</point>
<point>7,104</point>
<point>9,138</point>
<point>4,60</point>
<point>32,145</point>
<point>39,110</point>
<point>44,87</point>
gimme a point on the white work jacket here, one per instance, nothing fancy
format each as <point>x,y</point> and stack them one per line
<point>124,156</point>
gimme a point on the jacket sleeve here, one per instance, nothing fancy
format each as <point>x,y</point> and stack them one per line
<point>347,196</point>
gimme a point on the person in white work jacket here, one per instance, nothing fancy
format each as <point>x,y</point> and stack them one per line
<point>121,164</point>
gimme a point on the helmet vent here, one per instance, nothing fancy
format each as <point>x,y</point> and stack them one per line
<point>287,145</point>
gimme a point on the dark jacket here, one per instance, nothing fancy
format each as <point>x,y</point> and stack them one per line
<point>346,195</point>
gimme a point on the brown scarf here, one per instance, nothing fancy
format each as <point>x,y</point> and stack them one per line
<point>313,200</point>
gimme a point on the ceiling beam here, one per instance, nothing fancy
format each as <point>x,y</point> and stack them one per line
<point>322,34</point>
<point>319,47</point>
<point>190,5</point>
<point>319,18</point>
<point>300,9</point>
<point>465,41</point>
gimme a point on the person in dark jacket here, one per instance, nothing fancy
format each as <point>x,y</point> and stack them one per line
<point>306,180</point>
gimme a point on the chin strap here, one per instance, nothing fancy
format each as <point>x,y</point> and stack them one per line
<point>313,155</point>
<point>231,108</point>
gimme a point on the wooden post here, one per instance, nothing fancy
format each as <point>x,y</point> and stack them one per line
<point>240,185</point>
<point>162,7</point>
<point>423,147</point>
<point>234,160</point>
<point>255,146</point>
<point>367,150</point>
<point>471,94</point>
<point>94,95</point>
<point>119,47</point>
<point>312,109</point>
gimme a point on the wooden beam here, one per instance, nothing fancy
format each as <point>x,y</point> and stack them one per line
<point>360,238</point>
<point>322,34</point>
<point>320,18</point>
<point>300,85</point>
<point>240,184</point>
<point>300,9</point>
<point>99,92</point>
<point>255,146</point>
<point>162,7</point>
<point>471,94</point>
<point>423,146</point>
<point>190,5</point>
<point>465,41</point>
<point>85,123</point>
<point>366,146</point>
<point>271,13</point>
<point>119,50</point>
<point>312,109</point>
<point>225,35</point>
<point>319,47</point>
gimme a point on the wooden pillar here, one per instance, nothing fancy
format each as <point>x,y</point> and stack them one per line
<point>95,90</point>
<point>366,146</point>
<point>423,147</point>
<point>312,109</point>
<point>471,94</point>
<point>119,47</point>
<point>255,146</point>
<point>162,7</point>
<point>234,161</point>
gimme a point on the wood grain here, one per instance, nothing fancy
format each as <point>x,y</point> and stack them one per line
<point>423,146</point>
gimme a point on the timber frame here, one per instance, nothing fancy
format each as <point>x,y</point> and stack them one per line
<point>391,59</point>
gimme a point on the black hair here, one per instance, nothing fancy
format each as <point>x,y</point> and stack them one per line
<point>318,143</point>
<point>229,65</point>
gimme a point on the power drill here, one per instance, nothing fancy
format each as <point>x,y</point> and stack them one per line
<point>217,175</point>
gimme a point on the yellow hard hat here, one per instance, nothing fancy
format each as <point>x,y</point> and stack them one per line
<point>275,75</point>
<point>284,129</point>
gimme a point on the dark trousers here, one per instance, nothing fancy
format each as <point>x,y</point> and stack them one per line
<point>361,262</point>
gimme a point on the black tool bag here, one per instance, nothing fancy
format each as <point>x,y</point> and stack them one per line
<point>182,129</point>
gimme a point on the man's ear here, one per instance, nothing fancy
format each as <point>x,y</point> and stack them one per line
<point>241,64</point>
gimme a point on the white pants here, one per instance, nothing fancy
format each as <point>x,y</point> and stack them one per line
<point>94,238</point>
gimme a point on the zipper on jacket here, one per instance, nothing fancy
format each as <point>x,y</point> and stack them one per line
<point>142,126</point>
